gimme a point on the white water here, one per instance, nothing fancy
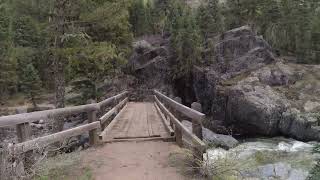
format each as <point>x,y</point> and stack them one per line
<point>273,155</point>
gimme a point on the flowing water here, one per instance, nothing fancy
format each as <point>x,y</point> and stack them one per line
<point>263,158</point>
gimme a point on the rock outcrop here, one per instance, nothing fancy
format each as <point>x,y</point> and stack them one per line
<point>250,89</point>
<point>149,64</point>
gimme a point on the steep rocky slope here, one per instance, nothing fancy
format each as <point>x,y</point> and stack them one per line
<point>248,88</point>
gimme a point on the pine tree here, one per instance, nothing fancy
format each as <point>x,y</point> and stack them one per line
<point>31,83</point>
<point>142,17</point>
<point>185,42</point>
<point>210,19</point>
<point>8,76</point>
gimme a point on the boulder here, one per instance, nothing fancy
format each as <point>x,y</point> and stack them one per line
<point>240,50</point>
<point>220,140</point>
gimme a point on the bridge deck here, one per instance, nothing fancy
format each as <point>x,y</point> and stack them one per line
<point>139,120</point>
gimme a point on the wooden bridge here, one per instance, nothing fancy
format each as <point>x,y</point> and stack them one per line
<point>120,121</point>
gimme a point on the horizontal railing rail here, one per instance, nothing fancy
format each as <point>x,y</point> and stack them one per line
<point>178,125</point>
<point>118,110</point>
<point>172,123</point>
<point>111,100</point>
<point>22,123</point>
<point>12,120</point>
<point>45,141</point>
<point>191,113</point>
<point>103,119</point>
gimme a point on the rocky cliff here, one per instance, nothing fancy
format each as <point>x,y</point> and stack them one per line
<point>248,88</point>
<point>245,88</point>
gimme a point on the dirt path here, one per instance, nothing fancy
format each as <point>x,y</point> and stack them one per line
<point>144,160</point>
<point>148,160</point>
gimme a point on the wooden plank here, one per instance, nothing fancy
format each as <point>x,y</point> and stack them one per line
<point>136,137</point>
<point>191,113</point>
<point>164,121</point>
<point>103,134</point>
<point>13,120</point>
<point>44,141</point>
<point>165,139</point>
<point>113,111</point>
<point>137,125</point>
<point>179,125</point>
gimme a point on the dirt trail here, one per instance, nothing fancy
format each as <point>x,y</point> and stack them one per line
<point>144,160</point>
<point>147,160</point>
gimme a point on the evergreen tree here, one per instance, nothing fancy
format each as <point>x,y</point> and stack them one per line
<point>185,42</point>
<point>8,77</point>
<point>143,17</point>
<point>210,19</point>
<point>31,83</point>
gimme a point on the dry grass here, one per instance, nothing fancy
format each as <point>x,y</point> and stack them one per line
<point>38,165</point>
<point>227,168</point>
<point>63,167</point>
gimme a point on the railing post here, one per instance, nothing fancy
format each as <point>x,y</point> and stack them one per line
<point>197,130</point>
<point>93,136</point>
<point>168,119</point>
<point>196,125</point>
<point>23,129</point>
<point>177,131</point>
<point>178,134</point>
<point>23,132</point>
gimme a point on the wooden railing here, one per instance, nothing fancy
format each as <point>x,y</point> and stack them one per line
<point>173,124</point>
<point>105,122</point>
<point>22,123</point>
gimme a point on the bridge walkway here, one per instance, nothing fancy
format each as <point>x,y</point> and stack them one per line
<point>137,120</point>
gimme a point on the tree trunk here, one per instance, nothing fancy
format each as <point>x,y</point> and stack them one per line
<point>59,61</point>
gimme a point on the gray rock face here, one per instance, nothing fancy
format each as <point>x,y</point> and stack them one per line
<point>240,50</point>
<point>150,65</point>
<point>249,89</point>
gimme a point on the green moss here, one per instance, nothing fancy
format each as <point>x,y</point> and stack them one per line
<point>315,173</point>
<point>262,157</point>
